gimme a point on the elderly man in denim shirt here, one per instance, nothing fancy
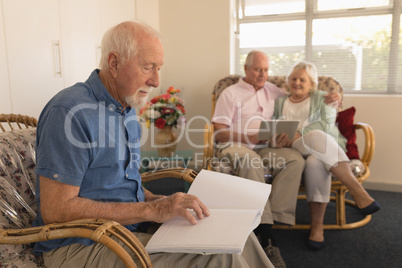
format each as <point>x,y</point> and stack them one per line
<point>88,155</point>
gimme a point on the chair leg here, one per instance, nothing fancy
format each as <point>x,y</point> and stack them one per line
<point>340,202</point>
<point>340,206</point>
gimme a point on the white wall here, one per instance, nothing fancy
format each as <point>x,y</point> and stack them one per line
<point>384,114</point>
<point>147,11</point>
<point>197,41</point>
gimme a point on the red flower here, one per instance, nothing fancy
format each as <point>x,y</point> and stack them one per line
<point>181,108</point>
<point>165,97</point>
<point>172,90</point>
<point>154,100</point>
<point>168,106</point>
<point>160,123</point>
<point>142,111</point>
<point>167,110</point>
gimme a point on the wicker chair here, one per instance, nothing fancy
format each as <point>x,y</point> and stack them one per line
<point>18,203</point>
<point>339,190</point>
<point>12,121</point>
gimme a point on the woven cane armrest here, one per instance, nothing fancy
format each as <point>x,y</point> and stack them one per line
<point>16,121</point>
<point>98,230</point>
<point>185,174</point>
<point>18,203</point>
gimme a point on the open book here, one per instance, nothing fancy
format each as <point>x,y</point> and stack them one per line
<point>235,206</point>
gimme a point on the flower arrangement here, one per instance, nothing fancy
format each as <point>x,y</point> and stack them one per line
<point>164,110</point>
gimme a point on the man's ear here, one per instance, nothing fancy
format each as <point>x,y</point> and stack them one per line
<point>113,61</point>
<point>245,68</point>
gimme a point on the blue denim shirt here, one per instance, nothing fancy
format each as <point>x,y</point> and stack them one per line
<point>86,139</point>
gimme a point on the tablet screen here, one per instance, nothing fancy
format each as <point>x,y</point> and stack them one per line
<point>271,127</point>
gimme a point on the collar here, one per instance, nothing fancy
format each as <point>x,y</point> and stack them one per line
<point>102,94</point>
<point>248,86</point>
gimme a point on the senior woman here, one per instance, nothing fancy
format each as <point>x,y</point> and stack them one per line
<point>320,142</point>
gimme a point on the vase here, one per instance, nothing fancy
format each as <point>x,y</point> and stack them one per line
<point>166,142</point>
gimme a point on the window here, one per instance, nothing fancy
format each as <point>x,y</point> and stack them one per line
<point>357,42</point>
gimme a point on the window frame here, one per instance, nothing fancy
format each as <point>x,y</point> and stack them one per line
<point>311,13</point>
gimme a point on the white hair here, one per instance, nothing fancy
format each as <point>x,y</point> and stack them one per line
<point>310,70</point>
<point>123,40</point>
<point>250,57</point>
<point>136,101</point>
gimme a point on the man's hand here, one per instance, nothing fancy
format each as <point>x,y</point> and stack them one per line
<point>222,134</point>
<point>333,98</point>
<point>178,204</point>
<point>60,203</point>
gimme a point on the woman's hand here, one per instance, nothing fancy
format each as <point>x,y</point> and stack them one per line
<point>289,142</point>
<point>279,141</point>
<point>283,141</point>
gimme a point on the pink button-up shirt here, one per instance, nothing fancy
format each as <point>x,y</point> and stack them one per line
<point>242,108</point>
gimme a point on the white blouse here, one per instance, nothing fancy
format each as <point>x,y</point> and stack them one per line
<point>296,111</point>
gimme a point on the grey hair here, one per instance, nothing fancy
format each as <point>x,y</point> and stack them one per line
<point>123,40</point>
<point>250,57</point>
<point>311,72</point>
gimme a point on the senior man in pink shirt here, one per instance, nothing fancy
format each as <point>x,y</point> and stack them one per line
<point>238,114</point>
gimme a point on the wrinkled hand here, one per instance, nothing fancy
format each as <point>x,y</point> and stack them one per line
<point>282,140</point>
<point>279,140</point>
<point>178,204</point>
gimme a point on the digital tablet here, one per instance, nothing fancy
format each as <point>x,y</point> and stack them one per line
<point>271,127</point>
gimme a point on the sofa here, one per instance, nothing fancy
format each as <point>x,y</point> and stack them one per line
<point>17,193</point>
<point>360,161</point>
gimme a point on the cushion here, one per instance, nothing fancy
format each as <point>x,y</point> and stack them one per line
<point>345,122</point>
<point>17,192</point>
<point>357,167</point>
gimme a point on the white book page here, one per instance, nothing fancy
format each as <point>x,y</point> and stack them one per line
<point>218,190</point>
<point>235,204</point>
<point>222,231</point>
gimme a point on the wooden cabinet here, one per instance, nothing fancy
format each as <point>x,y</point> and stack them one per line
<point>50,45</point>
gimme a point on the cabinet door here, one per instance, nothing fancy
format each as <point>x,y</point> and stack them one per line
<point>5,99</point>
<point>83,23</point>
<point>32,31</point>
<point>81,36</point>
